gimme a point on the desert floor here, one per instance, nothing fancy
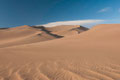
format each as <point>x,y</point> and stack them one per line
<point>30,54</point>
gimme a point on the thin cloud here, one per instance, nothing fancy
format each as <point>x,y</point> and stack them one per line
<point>76,22</point>
<point>119,10</point>
<point>104,10</point>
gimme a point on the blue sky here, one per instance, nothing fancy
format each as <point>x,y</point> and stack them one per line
<point>36,12</point>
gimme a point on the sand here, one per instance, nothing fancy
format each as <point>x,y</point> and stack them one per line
<point>31,34</point>
<point>91,55</point>
<point>67,30</point>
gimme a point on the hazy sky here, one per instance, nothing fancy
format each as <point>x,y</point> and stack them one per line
<point>35,12</point>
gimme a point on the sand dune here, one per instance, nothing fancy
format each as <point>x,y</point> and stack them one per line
<point>31,34</point>
<point>67,30</point>
<point>91,55</point>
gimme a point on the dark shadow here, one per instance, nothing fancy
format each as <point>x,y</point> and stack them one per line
<point>80,29</point>
<point>46,31</point>
<point>83,28</point>
<point>3,28</point>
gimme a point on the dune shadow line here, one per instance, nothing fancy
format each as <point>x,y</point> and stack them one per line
<point>47,31</point>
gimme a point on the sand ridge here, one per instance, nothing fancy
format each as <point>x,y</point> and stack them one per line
<point>32,34</point>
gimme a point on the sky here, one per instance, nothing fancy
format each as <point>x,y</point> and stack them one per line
<point>46,12</point>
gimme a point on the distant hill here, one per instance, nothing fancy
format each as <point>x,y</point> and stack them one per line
<point>31,34</point>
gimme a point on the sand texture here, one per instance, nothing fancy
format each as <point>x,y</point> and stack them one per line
<point>35,53</point>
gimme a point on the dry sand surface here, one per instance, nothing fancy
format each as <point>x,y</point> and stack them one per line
<point>91,55</point>
<point>31,34</point>
<point>67,30</point>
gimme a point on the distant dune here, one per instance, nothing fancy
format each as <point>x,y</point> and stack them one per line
<point>36,53</point>
<point>67,30</point>
<point>32,34</point>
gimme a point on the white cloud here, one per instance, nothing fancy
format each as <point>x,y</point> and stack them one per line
<point>75,22</point>
<point>104,9</point>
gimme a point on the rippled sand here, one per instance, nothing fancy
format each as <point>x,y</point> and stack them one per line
<point>91,55</point>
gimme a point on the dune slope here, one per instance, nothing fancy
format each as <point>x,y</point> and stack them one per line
<point>32,34</point>
<point>67,30</point>
<point>92,55</point>
<point>22,35</point>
